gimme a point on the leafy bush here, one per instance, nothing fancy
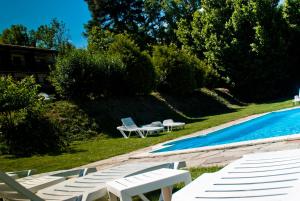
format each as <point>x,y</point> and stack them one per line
<point>34,134</point>
<point>15,96</point>
<point>24,130</point>
<point>110,74</point>
<point>139,71</point>
<point>73,74</point>
<point>80,74</point>
<point>176,69</point>
<point>205,75</point>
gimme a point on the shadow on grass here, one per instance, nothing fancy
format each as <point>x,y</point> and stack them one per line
<point>225,94</point>
<point>197,105</point>
<point>107,112</point>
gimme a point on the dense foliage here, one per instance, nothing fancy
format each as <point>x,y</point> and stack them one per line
<point>81,75</point>
<point>248,42</point>
<point>139,74</point>
<point>17,35</point>
<point>53,36</point>
<point>105,69</point>
<point>21,120</point>
<point>176,69</point>
<point>147,21</point>
<point>252,44</point>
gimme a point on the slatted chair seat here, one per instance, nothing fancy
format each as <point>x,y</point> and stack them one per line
<point>93,186</point>
<point>273,176</point>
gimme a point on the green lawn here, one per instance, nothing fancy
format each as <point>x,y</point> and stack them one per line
<point>101,148</point>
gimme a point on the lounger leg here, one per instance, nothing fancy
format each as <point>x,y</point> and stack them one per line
<point>112,197</point>
<point>188,180</point>
<point>125,197</point>
<point>123,133</point>
<point>140,133</point>
<point>166,193</point>
<point>143,197</point>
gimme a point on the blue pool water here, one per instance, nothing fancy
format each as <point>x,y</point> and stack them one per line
<point>273,124</point>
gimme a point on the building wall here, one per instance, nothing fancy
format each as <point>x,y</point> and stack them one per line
<point>20,61</point>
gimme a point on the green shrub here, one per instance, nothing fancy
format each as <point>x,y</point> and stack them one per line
<point>175,68</point>
<point>15,96</point>
<point>24,130</point>
<point>110,74</point>
<point>81,74</point>
<point>34,134</point>
<point>139,71</point>
<point>205,75</point>
<point>73,74</point>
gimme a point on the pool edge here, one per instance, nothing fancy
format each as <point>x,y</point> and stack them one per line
<point>218,147</point>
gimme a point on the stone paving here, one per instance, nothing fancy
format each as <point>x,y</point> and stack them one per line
<point>197,159</point>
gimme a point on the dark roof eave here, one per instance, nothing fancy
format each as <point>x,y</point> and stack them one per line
<point>28,48</point>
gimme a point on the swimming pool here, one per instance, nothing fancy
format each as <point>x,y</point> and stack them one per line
<point>274,124</point>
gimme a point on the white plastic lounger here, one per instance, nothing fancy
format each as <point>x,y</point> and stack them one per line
<point>34,183</point>
<point>11,189</point>
<point>154,127</point>
<point>93,186</point>
<point>273,176</point>
<point>296,100</point>
<point>129,126</point>
<point>170,124</point>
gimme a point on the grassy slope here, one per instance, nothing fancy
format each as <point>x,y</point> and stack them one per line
<point>212,110</point>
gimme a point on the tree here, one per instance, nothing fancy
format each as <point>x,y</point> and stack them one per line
<point>176,12</point>
<point>99,39</point>
<point>54,36</point>
<point>119,16</point>
<point>291,13</point>
<point>244,41</point>
<point>147,21</point>
<point>291,34</point>
<point>16,35</point>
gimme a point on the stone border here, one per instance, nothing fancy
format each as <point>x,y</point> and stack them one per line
<point>217,147</point>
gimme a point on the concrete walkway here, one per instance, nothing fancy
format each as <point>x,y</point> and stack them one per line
<point>197,159</point>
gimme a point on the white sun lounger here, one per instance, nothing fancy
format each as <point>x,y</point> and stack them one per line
<point>296,100</point>
<point>273,176</point>
<point>10,189</point>
<point>129,126</point>
<point>170,124</point>
<point>93,186</point>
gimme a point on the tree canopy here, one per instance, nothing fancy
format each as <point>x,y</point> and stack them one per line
<point>148,21</point>
<point>53,36</point>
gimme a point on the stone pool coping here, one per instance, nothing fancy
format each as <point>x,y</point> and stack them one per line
<point>148,154</point>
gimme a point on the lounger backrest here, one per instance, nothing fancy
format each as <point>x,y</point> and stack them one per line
<point>168,121</point>
<point>128,123</point>
<point>12,190</point>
